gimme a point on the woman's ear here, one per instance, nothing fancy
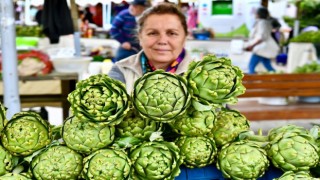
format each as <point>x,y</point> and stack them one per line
<point>139,38</point>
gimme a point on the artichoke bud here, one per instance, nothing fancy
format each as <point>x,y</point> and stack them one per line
<point>227,126</point>
<point>242,160</point>
<point>15,176</point>
<point>133,125</point>
<point>26,133</point>
<point>107,164</point>
<point>296,175</point>
<point>161,96</point>
<point>57,162</point>
<point>197,151</point>
<point>3,119</point>
<point>155,160</point>
<point>194,122</point>
<point>87,136</point>
<point>100,99</point>
<point>6,161</point>
<point>214,81</point>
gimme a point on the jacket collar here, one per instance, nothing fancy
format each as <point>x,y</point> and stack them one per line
<point>133,63</point>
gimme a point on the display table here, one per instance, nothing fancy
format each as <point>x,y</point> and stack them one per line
<point>46,90</point>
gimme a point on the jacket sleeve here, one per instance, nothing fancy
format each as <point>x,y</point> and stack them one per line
<point>115,73</point>
<point>116,29</point>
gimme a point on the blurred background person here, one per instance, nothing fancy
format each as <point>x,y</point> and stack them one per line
<point>97,17</point>
<point>88,15</point>
<point>124,29</point>
<point>38,16</point>
<point>261,43</point>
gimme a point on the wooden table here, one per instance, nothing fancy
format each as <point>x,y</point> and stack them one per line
<point>68,84</point>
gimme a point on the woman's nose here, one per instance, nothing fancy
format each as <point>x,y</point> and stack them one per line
<point>163,39</point>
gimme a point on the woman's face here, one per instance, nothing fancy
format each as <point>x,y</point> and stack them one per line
<point>162,38</point>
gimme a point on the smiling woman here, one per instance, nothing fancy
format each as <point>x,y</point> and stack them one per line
<point>162,33</point>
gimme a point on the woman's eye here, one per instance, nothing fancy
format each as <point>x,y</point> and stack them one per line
<point>173,33</point>
<point>151,33</point>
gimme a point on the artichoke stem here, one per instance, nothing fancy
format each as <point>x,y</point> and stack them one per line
<point>248,135</point>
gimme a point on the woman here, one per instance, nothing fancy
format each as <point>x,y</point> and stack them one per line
<point>162,32</point>
<point>261,43</point>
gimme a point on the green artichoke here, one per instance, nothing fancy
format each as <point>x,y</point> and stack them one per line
<point>301,175</point>
<point>286,129</point>
<point>134,125</point>
<point>5,161</point>
<point>161,96</point>
<point>106,164</point>
<point>13,176</point>
<point>3,119</point>
<point>26,133</point>
<point>194,122</point>
<point>214,81</point>
<point>85,136</point>
<point>242,160</point>
<point>101,99</point>
<point>197,151</point>
<point>292,152</point>
<point>155,160</point>
<point>228,125</point>
<point>56,162</point>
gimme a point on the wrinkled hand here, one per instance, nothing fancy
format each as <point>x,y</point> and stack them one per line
<point>126,45</point>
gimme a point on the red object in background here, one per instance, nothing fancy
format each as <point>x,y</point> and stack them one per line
<point>39,56</point>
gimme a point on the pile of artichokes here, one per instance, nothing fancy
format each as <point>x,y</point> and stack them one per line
<point>169,121</point>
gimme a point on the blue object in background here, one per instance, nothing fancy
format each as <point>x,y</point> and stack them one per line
<point>205,35</point>
<point>212,173</point>
<point>282,59</point>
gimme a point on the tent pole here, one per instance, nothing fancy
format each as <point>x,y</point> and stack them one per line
<point>76,34</point>
<point>9,59</point>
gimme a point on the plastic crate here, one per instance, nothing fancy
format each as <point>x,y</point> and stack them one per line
<point>212,173</point>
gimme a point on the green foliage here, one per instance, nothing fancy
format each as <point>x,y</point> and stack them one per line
<point>308,37</point>
<point>313,67</point>
<point>309,14</point>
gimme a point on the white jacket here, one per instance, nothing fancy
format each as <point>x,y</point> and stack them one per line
<point>268,48</point>
<point>131,69</point>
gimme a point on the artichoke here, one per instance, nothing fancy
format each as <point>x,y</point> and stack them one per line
<point>3,119</point>
<point>194,122</point>
<point>292,152</point>
<point>26,133</point>
<point>155,160</point>
<point>134,125</point>
<point>106,164</point>
<point>197,151</point>
<point>13,176</point>
<point>228,125</point>
<point>101,99</point>
<point>161,96</point>
<point>290,175</point>
<point>56,162</point>
<point>286,129</point>
<point>5,161</point>
<point>86,137</point>
<point>214,81</point>
<point>242,160</point>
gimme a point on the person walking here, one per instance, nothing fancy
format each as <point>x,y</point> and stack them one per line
<point>124,29</point>
<point>261,43</point>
